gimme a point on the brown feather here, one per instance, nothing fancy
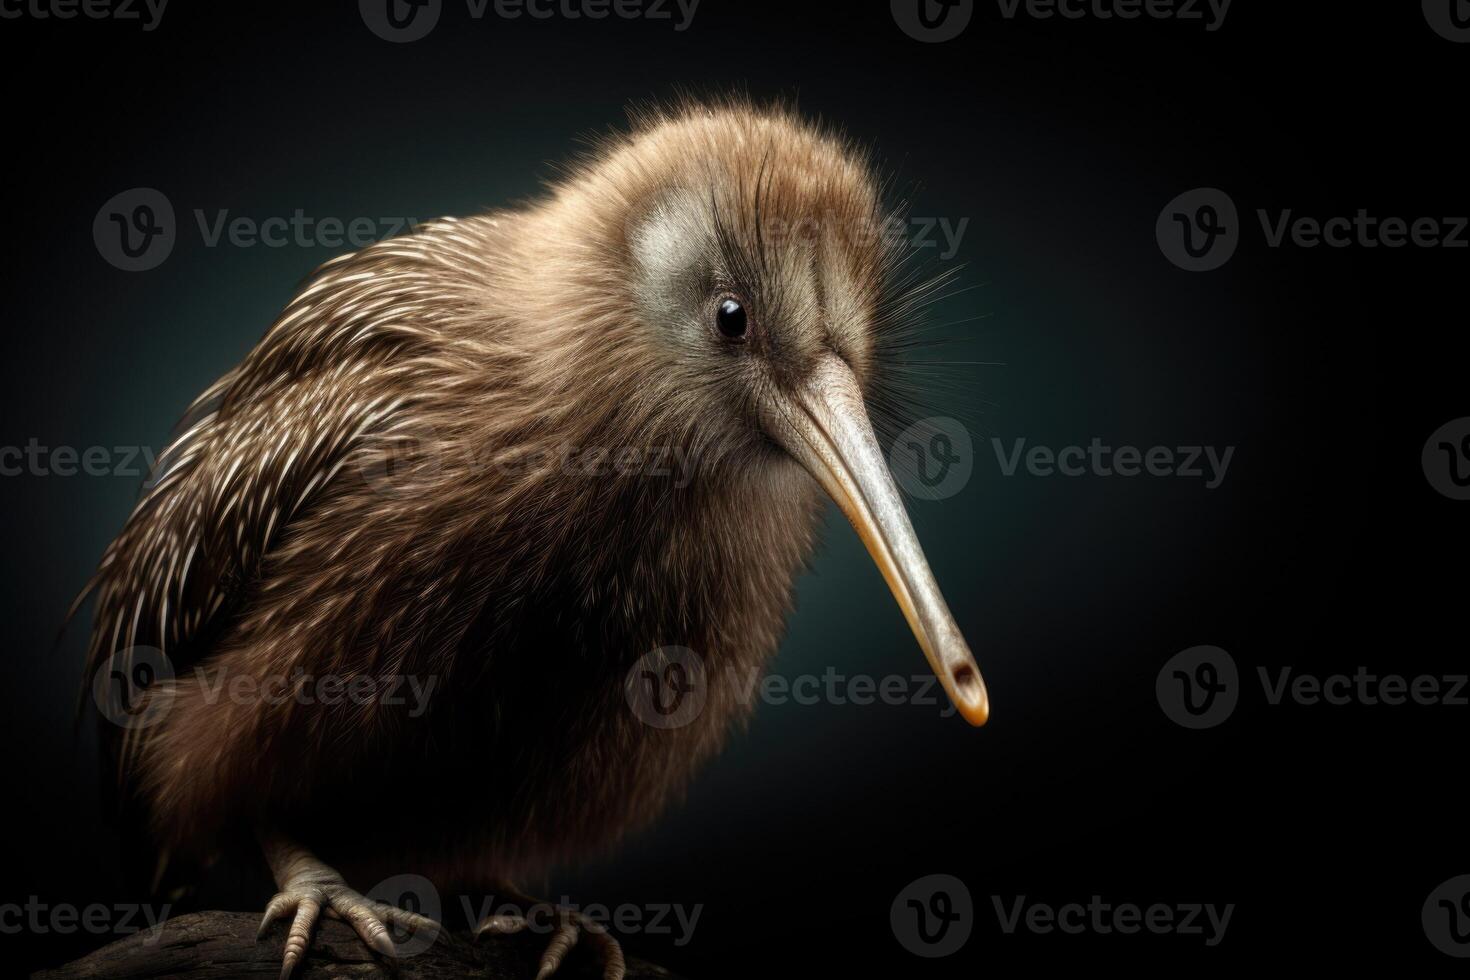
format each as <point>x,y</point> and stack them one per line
<point>351,501</point>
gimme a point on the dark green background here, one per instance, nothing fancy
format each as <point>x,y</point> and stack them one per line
<point>1060,141</point>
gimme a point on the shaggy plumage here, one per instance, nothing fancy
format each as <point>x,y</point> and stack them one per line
<point>399,481</point>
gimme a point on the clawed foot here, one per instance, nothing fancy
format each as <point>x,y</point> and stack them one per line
<point>567,928</point>
<point>368,918</point>
<point>309,886</point>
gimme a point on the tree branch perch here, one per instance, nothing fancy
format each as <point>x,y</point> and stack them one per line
<point>209,945</point>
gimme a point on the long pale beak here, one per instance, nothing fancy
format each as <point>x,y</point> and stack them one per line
<point>825,428</point>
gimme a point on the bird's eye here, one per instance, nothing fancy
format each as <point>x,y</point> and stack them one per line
<point>731,319</point>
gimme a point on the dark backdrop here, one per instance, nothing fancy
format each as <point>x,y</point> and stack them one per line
<point>1059,141</point>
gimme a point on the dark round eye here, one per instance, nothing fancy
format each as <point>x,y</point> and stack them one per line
<point>731,318</point>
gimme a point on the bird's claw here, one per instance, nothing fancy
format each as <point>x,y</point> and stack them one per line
<point>369,919</point>
<point>569,929</point>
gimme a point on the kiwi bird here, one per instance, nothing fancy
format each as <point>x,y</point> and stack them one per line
<point>394,484</point>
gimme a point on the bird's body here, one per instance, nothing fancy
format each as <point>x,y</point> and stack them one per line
<point>493,573</point>
<point>468,479</point>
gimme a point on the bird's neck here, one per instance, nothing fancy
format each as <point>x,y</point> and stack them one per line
<point>704,560</point>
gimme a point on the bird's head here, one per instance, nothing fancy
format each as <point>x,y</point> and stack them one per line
<point>757,266</point>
